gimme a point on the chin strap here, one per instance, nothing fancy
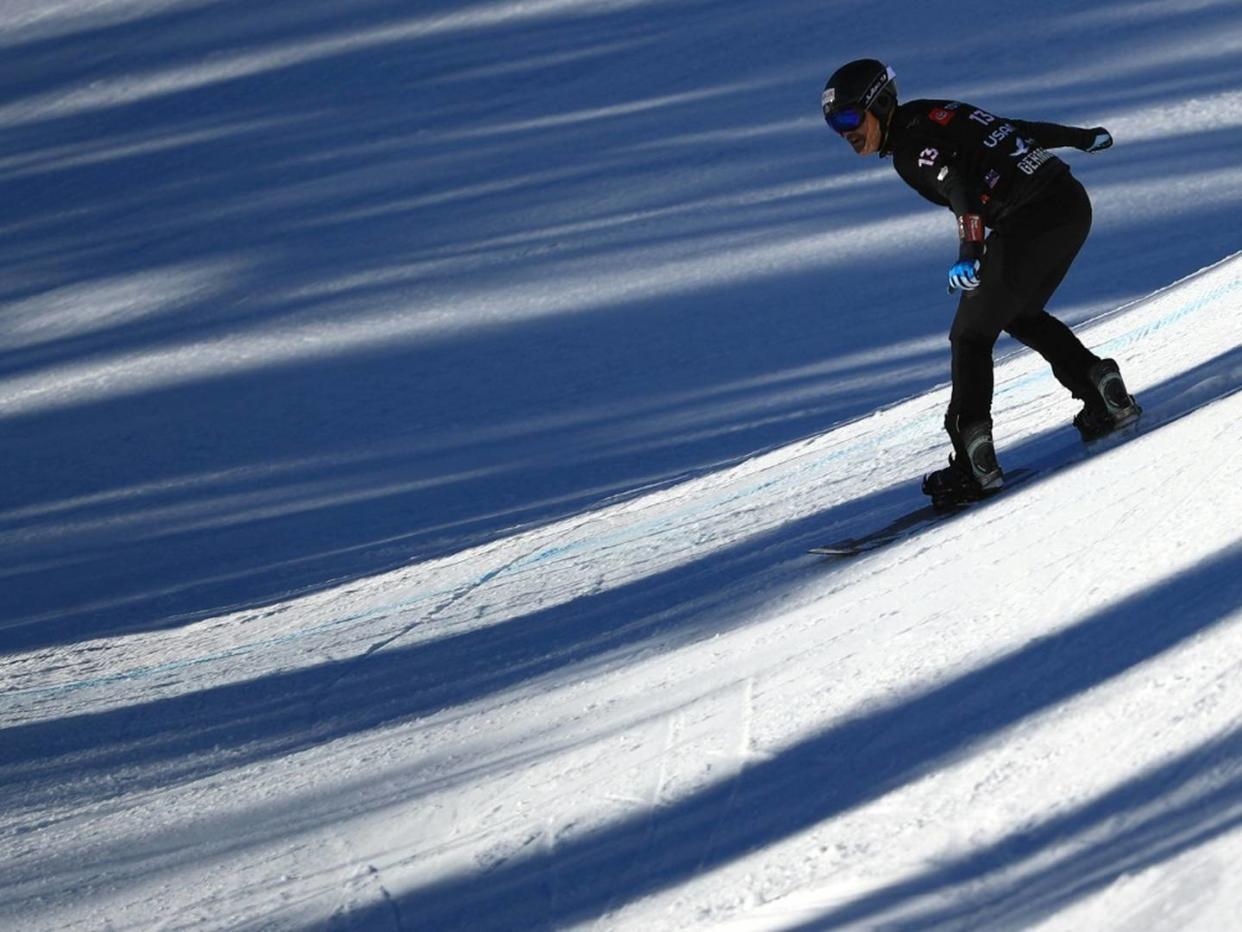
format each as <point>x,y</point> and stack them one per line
<point>886,134</point>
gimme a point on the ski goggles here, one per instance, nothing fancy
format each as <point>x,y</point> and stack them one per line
<point>844,119</point>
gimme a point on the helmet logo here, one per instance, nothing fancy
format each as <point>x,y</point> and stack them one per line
<point>872,92</point>
<point>830,95</point>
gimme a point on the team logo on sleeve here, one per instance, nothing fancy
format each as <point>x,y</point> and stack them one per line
<point>1032,157</point>
<point>942,116</point>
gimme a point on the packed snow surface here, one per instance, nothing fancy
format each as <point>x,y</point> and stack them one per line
<point>415,418</point>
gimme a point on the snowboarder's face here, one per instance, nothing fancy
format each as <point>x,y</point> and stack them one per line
<point>865,140</point>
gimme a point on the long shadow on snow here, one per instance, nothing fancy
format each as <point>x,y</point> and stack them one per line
<point>1032,874</point>
<point>844,767</point>
<point>282,713</point>
<point>278,714</point>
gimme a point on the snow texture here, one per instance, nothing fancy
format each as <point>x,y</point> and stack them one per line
<point>415,416</point>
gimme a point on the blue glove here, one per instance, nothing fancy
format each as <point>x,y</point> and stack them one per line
<point>964,275</point>
<point>1103,139</point>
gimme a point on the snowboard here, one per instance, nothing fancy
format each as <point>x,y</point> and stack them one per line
<point>912,523</point>
<point>1162,411</point>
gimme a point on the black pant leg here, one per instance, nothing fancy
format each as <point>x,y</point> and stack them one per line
<point>971,399</point>
<point>1066,219</point>
<point>1054,341</point>
<point>980,318</point>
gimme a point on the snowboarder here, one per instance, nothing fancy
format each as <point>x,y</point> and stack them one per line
<point>996,174</point>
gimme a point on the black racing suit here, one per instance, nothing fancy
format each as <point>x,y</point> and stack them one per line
<point>974,162</point>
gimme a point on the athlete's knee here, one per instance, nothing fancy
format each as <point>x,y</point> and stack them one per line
<point>968,339</point>
<point>1027,327</point>
<point>1037,330</point>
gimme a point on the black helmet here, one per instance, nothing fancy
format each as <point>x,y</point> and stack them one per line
<point>853,89</point>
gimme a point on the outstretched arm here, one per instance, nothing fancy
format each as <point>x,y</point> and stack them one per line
<point>1056,136</point>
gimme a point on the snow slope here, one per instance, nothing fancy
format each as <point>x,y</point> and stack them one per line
<point>662,713</point>
<point>414,426</point>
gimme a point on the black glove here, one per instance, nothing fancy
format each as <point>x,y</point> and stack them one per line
<point>1100,139</point>
<point>970,250</point>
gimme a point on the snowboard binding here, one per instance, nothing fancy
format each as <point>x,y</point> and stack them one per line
<point>973,472</point>
<point>1109,407</point>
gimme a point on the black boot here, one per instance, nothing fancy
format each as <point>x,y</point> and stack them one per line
<point>1108,406</point>
<point>973,472</point>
